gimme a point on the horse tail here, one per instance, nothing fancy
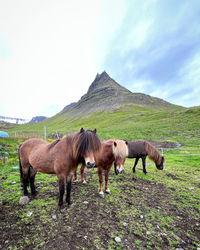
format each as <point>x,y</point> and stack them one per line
<point>21,170</point>
<point>20,165</point>
<point>152,152</point>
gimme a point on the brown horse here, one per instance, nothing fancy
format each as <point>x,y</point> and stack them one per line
<point>112,151</point>
<point>140,149</point>
<point>60,157</point>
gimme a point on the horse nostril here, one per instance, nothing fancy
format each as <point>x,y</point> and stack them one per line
<point>88,164</point>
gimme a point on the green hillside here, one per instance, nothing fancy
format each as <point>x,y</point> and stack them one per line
<point>125,122</point>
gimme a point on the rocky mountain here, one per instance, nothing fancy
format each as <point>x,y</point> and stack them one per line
<point>105,94</point>
<point>37,119</point>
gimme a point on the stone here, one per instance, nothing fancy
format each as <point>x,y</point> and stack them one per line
<point>125,224</point>
<point>24,200</point>
<point>54,217</point>
<point>117,239</point>
<point>85,202</point>
<point>148,233</point>
<point>15,167</point>
<point>141,216</point>
<point>14,182</point>
<point>29,214</point>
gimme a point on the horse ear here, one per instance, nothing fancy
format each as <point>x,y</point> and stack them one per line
<point>95,131</point>
<point>115,144</point>
<point>82,130</point>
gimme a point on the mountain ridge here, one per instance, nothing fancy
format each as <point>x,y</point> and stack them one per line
<point>105,94</point>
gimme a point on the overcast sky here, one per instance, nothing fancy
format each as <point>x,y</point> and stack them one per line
<point>51,51</point>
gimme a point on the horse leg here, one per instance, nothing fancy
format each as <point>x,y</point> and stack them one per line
<point>61,183</point>
<point>136,162</point>
<point>107,190</point>
<point>68,187</point>
<point>75,176</point>
<point>25,178</point>
<point>100,182</point>
<point>144,164</point>
<point>32,180</point>
<point>82,174</point>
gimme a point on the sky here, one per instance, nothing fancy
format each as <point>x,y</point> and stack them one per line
<point>51,51</point>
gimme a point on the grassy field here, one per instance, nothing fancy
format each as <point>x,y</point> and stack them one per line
<point>126,122</point>
<point>159,210</point>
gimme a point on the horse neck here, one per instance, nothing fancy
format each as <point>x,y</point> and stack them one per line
<point>153,153</point>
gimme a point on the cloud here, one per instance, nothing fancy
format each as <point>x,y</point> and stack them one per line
<point>156,40</point>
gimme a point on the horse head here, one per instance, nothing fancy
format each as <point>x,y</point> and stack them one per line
<point>90,145</point>
<point>120,151</point>
<point>161,165</point>
<point>119,165</point>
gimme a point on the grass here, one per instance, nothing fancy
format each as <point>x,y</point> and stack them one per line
<point>126,122</point>
<point>160,210</point>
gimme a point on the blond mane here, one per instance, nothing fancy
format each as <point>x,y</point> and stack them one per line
<point>120,148</point>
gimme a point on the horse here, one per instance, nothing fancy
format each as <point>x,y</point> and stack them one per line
<point>140,149</point>
<point>60,157</point>
<point>112,151</point>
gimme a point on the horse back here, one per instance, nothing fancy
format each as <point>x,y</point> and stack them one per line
<point>136,149</point>
<point>31,150</point>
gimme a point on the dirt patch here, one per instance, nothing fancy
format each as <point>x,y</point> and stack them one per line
<point>165,144</point>
<point>142,213</point>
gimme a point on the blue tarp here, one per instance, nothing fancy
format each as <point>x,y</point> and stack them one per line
<point>3,134</point>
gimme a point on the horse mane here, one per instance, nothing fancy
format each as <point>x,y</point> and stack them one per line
<point>85,141</point>
<point>120,149</point>
<point>153,153</point>
<point>53,144</point>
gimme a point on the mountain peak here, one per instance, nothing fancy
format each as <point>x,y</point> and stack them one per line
<point>101,80</point>
<point>105,94</point>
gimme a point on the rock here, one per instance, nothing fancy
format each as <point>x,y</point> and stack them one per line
<point>29,214</point>
<point>15,167</point>
<point>5,159</point>
<point>85,202</point>
<point>141,216</point>
<point>125,224</point>
<point>191,188</point>
<point>54,217</point>
<point>117,239</point>
<point>148,233</point>
<point>85,237</point>
<point>23,200</point>
<point>14,182</point>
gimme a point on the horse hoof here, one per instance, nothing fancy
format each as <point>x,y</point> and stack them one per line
<point>84,182</point>
<point>107,191</point>
<point>62,210</point>
<point>75,181</point>
<point>34,194</point>
<point>101,194</point>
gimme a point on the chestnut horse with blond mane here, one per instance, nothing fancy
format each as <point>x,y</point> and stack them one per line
<point>112,151</point>
<point>60,157</point>
<point>140,149</point>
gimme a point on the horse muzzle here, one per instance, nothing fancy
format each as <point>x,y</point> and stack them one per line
<point>90,165</point>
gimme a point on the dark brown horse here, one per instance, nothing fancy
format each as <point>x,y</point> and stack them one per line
<point>112,151</point>
<point>60,157</point>
<point>140,149</point>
